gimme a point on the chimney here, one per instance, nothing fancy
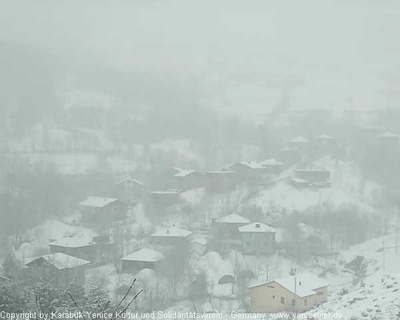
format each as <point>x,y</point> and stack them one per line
<point>257,226</point>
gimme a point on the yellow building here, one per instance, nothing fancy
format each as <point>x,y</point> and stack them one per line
<point>292,294</point>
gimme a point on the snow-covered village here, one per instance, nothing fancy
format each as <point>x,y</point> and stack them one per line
<point>197,167</point>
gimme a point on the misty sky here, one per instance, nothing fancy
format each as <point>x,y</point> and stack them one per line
<point>245,53</point>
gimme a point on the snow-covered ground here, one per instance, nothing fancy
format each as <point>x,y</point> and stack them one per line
<point>40,236</point>
<point>349,189</point>
<point>379,298</point>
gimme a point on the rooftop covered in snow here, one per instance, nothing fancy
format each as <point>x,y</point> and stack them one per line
<point>73,242</point>
<point>173,232</point>
<point>257,227</point>
<point>387,134</point>
<point>288,149</point>
<point>271,162</point>
<point>60,261</point>
<point>313,169</point>
<point>97,202</point>
<point>298,180</point>
<point>165,192</point>
<point>249,164</point>
<point>299,140</point>
<point>324,137</point>
<point>233,218</point>
<point>184,173</point>
<point>302,285</point>
<point>220,172</point>
<point>131,180</point>
<point>202,241</point>
<point>144,255</point>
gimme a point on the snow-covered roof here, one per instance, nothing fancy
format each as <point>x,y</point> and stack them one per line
<point>387,134</point>
<point>165,192</point>
<point>144,255</point>
<point>256,227</point>
<point>233,218</point>
<point>298,180</point>
<point>252,164</point>
<point>286,148</point>
<point>202,241</point>
<point>184,173</point>
<point>97,202</point>
<point>311,170</point>
<point>325,137</point>
<point>130,179</point>
<point>221,172</point>
<point>299,140</point>
<point>302,285</point>
<point>72,242</point>
<point>271,162</point>
<point>173,232</point>
<point>60,260</point>
<point>253,283</point>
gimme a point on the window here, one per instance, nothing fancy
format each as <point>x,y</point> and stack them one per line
<point>305,302</point>
<point>293,302</point>
<point>282,300</point>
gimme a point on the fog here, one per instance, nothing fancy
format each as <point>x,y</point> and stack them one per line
<point>200,159</point>
<point>233,53</point>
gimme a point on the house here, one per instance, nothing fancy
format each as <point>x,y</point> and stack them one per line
<point>298,293</point>
<point>221,181</point>
<point>364,135</point>
<point>324,140</point>
<point>313,175</point>
<point>250,172</point>
<point>388,140</point>
<point>130,190</point>
<point>299,183</point>
<point>199,246</point>
<point>227,227</point>
<point>171,236</point>
<point>57,266</point>
<point>142,259</point>
<point>324,144</point>
<point>164,198</point>
<point>97,249</point>
<point>310,241</point>
<point>189,179</point>
<point>257,238</point>
<point>161,176</point>
<point>298,143</point>
<point>289,156</point>
<point>272,166</point>
<point>164,178</point>
<point>102,210</point>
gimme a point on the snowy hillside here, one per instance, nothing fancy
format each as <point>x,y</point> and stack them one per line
<point>349,188</point>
